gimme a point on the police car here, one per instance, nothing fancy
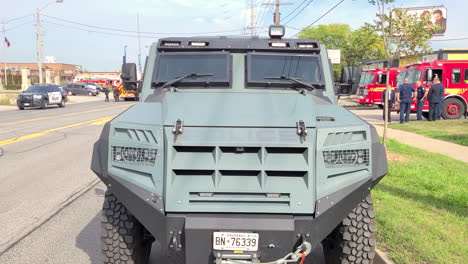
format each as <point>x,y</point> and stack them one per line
<point>41,95</point>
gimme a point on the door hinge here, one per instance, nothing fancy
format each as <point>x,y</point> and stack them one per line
<point>178,128</point>
<point>301,129</point>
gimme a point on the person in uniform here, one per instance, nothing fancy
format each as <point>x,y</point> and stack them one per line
<point>405,95</point>
<point>388,97</point>
<point>116,94</point>
<point>435,96</point>
<point>420,98</point>
<point>106,92</point>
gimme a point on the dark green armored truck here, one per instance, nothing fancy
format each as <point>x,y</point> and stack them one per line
<point>237,153</point>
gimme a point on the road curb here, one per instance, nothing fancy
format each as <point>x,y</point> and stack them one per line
<point>381,257</point>
<point>5,247</point>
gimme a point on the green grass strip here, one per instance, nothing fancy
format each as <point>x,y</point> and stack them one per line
<point>422,207</point>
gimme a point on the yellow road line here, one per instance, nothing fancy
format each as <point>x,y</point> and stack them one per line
<point>18,139</point>
<point>103,121</point>
<point>71,114</point>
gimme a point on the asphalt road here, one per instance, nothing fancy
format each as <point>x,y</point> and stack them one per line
<point>45,164</point>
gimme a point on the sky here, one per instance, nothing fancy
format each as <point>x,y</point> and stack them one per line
<point>96,48</point>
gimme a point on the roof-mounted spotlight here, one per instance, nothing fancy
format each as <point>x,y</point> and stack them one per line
<point>276,31</point>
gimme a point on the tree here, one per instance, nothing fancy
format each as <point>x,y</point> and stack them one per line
<point>355,46</point>
<point>403,35</point>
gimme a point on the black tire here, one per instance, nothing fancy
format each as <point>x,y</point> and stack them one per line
<point>353,241</point>
<point>62,103</point>
<point>453,108</point>
<point>123,239</point>
<point>44,104</point>
<point>381,106</point>
<point>20,108</point>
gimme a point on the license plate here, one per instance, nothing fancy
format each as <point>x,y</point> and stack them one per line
<point>26,104</point>
<point>235,241</point>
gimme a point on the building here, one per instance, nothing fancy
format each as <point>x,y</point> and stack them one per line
<point>21,75</point>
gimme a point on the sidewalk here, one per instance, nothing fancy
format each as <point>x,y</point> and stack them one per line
<point>452,150</point>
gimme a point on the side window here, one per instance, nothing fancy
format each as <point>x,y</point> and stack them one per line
<point>435,73</point>
<point>456,75</point>
<point>382,79</point>
<point>466,76</point>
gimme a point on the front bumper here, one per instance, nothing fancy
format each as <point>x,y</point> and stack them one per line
<point>28,102</point>
<point>187,238</point>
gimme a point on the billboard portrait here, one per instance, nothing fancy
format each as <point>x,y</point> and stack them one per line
<point>437,15</point>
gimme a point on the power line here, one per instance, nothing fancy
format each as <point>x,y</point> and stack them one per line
<point>18,18</point>
<point>464,38</point>
<point>135,32</point>
<point>297,7</point>
<point>299,12</point>
<point>17,26</point>
<point>106,33</point>
<point>335,6</point>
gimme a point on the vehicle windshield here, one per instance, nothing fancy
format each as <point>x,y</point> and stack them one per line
<point>413,75</point>
<point>302,67</point>
<point>175,65</point>
<point>37,89</point>
<point>366,78</point>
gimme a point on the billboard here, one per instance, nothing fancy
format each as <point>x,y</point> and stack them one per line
<point>334,55</point>
<point>437,16</point>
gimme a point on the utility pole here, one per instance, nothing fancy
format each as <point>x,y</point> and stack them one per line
<point>38,37</point>
<point>277,5</point>
<point>139,43</point>
<point>252,20</point>
<point>4,54</point>
<point>39,43</point>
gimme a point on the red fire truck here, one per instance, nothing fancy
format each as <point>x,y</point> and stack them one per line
<point>372,83</point>
<point>453,75</point>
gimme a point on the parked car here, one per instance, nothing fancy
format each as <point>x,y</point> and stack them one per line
<point>41,95</point>
<point>94,85</point>
<point>80,89</point>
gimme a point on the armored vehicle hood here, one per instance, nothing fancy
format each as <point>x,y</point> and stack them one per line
<point>240,109</point>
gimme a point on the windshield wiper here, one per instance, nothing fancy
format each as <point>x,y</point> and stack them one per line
<point>178,79</point>
<point>310,86</point>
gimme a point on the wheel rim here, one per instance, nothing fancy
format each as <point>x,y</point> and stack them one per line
<point>453,109</point>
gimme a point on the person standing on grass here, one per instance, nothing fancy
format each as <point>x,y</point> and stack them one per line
<point>388,97</point>
<point>420,98</point>
<point>435,96</point>
<point>405,95</point>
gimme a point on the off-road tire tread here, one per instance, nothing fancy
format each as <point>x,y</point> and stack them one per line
<point>353,241</point>
<point>121,233</point>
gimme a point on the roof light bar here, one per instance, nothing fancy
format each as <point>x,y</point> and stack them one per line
<point>198,43</point>
<point>306,45</point>
<point>171,43</point>
<point>279,44</point>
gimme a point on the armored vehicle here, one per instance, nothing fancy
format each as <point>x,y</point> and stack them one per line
<point>237,153</point>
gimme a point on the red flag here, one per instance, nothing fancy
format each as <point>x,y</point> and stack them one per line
<point>7,43</point>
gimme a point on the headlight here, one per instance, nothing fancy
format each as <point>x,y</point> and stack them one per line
<point>135,156</point>
<point>38,96</point>
<point>346,158</point>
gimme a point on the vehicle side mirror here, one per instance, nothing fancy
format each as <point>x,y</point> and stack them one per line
<point>129,76</point>
<point>380,78</point>
<point>429,75</point>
